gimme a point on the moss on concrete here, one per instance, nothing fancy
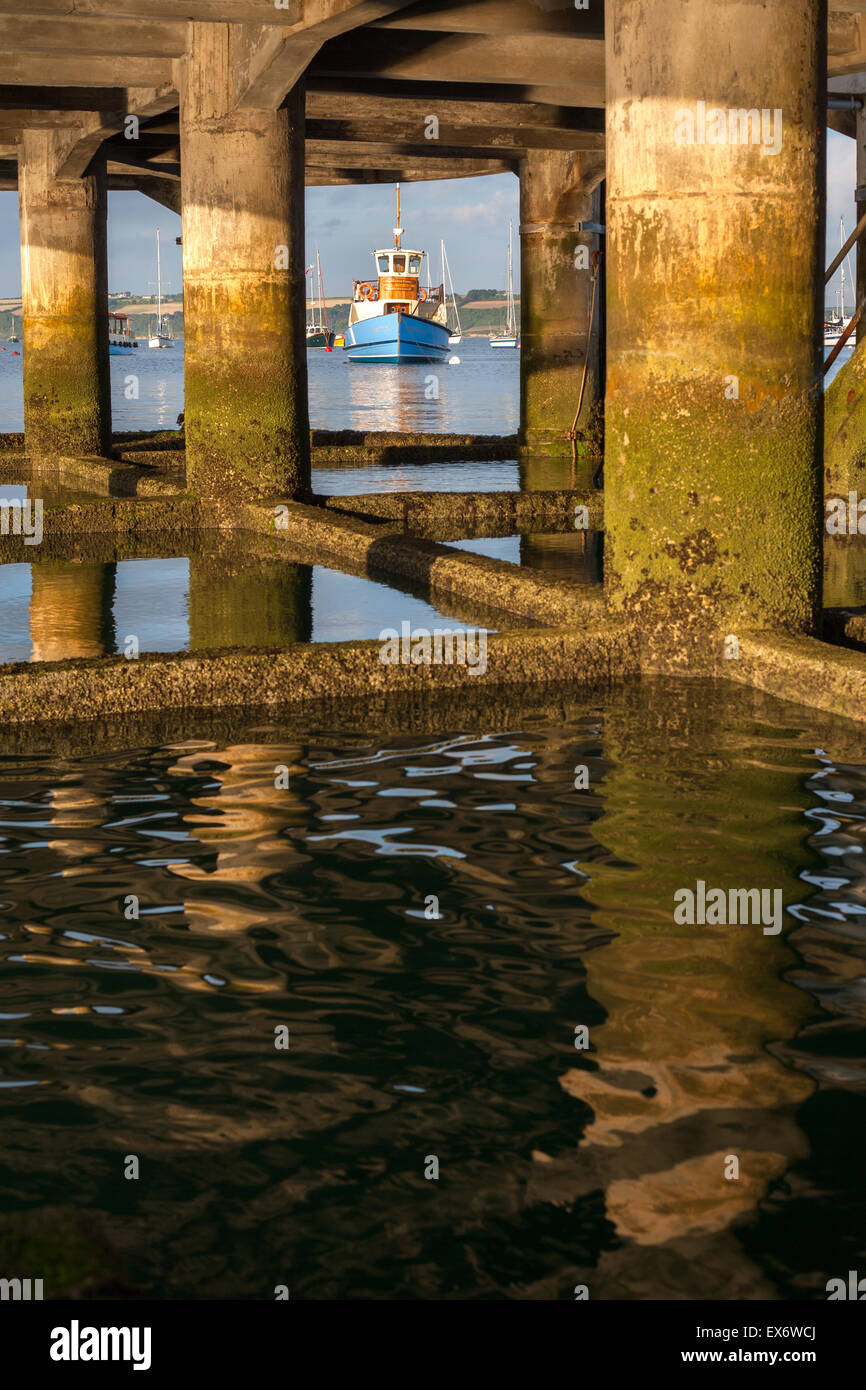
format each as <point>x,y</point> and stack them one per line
<point>80,690</point>
<point>713,511</point>
<point>845,429</point>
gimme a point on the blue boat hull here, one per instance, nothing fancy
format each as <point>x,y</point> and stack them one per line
<point>396,338</point>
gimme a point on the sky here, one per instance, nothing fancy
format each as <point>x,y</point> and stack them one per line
<point>347,222</point>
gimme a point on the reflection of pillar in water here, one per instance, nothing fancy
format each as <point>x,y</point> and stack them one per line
<point>844,572</point>
<point>685,1071</point>
<point>249,602</point>
<point>544,472</point>
<point>71,609</point>
<point>245,818</point>
<point>567,556</point>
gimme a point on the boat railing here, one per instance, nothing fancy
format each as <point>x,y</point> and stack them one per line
<point>368,290</point>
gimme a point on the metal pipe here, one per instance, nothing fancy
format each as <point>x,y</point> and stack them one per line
<point>855,319</point>
<point>839,258</point>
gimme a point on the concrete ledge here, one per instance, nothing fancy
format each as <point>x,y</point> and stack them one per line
<point>73,691</point>
<point>349,448</point>
<point>124,518</point>
<point>314,532</point>
<point>346,448</point>
<point>846,627</point>
<point>803,670</point>
<point>459,515</point>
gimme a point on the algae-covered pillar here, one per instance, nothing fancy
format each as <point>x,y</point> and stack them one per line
<point>714,284</point>
<point>64,303</point>
<point>557,191</point>
<point>242,192</point>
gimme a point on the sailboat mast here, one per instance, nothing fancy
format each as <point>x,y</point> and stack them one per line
<point>322,310</point>
<point>398,230</point>
<point>510,281</point>
<point>158,286</point>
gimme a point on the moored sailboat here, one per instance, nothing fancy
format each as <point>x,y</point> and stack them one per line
<point>455,334</point>
<point>393,318</point>
<point>319,334</point>
<point>835,326</point>
<point>507,338</point>
<point>159,335</point>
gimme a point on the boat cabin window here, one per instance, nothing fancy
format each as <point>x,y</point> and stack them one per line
<point>414,265</point>
<point>399,265</point>
<point>383,265</point>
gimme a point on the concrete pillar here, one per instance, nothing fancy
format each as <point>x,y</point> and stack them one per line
<point>714,286</point>
<point>243,277</point>
<point>556,192</point>
<point>64,289</point>
<point>859,209</point>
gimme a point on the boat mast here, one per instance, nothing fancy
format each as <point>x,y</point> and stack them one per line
<point>158,287</point>
<point>323,313</point>
<point>511,315</point>
<point>450,285</point>
<point>398,230</point>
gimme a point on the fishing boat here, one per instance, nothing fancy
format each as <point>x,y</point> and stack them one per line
<point>160,333</point>
<point>393,318</point>
<point>120,336</point>
<point>835,326</point>
<point>455,332</point>
<point>319,334</point>
<point>507,337</point>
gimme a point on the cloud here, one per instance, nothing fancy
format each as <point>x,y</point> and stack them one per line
<point>491,213</point>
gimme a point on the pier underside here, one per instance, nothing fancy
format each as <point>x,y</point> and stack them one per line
<point>671,292</point>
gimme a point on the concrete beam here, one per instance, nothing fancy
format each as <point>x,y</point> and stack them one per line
<point>166,192</point>
<point>83,137</point>
<point>499,17</point>
<point>413,171</point>
<point>846,43</point>
<point>121,162</point>
<point>83,70</point>
<point>522,60</point>
<point>373,155</point>
<point>409,104</point>
<point>483,139</point>
<point>71,98</point>
<point>80,34</point>
<point>268,63</point>
<point>268,60</point>
<point>221,11</point>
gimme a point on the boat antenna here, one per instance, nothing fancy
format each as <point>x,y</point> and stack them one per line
<point>398,230</point>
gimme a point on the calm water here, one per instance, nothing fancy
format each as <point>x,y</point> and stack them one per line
<point>415,1035</point>
<point>55,609</point>
<point>480,396</point>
